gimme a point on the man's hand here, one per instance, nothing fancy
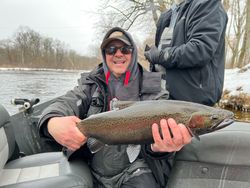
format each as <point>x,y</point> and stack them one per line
<point>170,141</point>
<point>152,54</point>
<point>65,132</point>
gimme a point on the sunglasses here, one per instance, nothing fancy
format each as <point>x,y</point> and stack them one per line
<point>113,49</point>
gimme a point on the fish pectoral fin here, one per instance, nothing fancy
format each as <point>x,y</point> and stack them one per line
<point>192,133</point>
<point>94,145</point>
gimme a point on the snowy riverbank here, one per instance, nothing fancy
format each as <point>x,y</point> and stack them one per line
<point>236,93</point>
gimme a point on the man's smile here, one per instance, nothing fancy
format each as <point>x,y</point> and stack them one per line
<point>119,61</point>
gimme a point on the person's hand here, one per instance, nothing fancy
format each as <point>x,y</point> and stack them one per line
<point>152,54</point>
<point>66,133</point>
<point>170,141</point>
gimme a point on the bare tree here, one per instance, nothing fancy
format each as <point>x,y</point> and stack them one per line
<point>47,51</point>
<point>131,14</point>
<point>244,57</point>
<point>226,5</point>
<point>237,37</point>
<point>60,53</point>
<point>29,49</point>
<point>8,53</point>
<point>21,43</point>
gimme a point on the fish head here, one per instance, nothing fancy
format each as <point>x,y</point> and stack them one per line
<point>212,120</point>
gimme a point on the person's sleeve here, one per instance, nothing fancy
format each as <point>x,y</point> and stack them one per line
<point>164,21</point>
<point>206,26</point>
<point>73,103</point>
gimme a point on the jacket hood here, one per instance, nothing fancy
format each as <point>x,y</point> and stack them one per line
<point>132,70</point>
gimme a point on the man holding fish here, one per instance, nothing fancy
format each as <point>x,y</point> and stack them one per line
<point>118,77</point>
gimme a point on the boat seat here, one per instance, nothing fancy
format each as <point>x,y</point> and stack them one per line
<point>44,170</point>
<point>220,159</point>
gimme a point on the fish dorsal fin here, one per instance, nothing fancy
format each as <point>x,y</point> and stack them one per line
<point>115,104</point>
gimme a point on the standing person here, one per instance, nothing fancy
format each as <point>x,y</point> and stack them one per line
<point>121,77</point>
<point>190,45</point>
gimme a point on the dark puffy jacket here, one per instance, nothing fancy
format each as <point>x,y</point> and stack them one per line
<point>90,97</point>
<point>197,53</point>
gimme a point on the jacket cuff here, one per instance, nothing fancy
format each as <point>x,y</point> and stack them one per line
<point>44,131</point>
<point>43,126</point>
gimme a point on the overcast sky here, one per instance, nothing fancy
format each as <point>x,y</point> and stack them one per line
<point>70,21</point>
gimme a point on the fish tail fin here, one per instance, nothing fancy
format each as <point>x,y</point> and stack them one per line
<point>94,145</point>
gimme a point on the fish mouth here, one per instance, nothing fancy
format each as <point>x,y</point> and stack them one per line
<point>219,125</point>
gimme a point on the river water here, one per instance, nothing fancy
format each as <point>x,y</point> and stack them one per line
<point>30,84</point>
<point>45,85</point>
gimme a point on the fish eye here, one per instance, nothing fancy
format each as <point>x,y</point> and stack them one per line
<point>214,116</point>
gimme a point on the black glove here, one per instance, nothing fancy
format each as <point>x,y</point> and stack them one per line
<point>155,56</point>
<point>152,54</point>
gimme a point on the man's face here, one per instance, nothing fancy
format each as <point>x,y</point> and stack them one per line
<point>119,60</point>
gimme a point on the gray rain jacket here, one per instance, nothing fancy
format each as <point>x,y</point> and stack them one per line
<point>91,96</point>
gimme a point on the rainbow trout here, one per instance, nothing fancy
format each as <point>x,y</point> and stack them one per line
<point>131,122</point>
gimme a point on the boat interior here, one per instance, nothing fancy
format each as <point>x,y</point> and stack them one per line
<point>220,159</point>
